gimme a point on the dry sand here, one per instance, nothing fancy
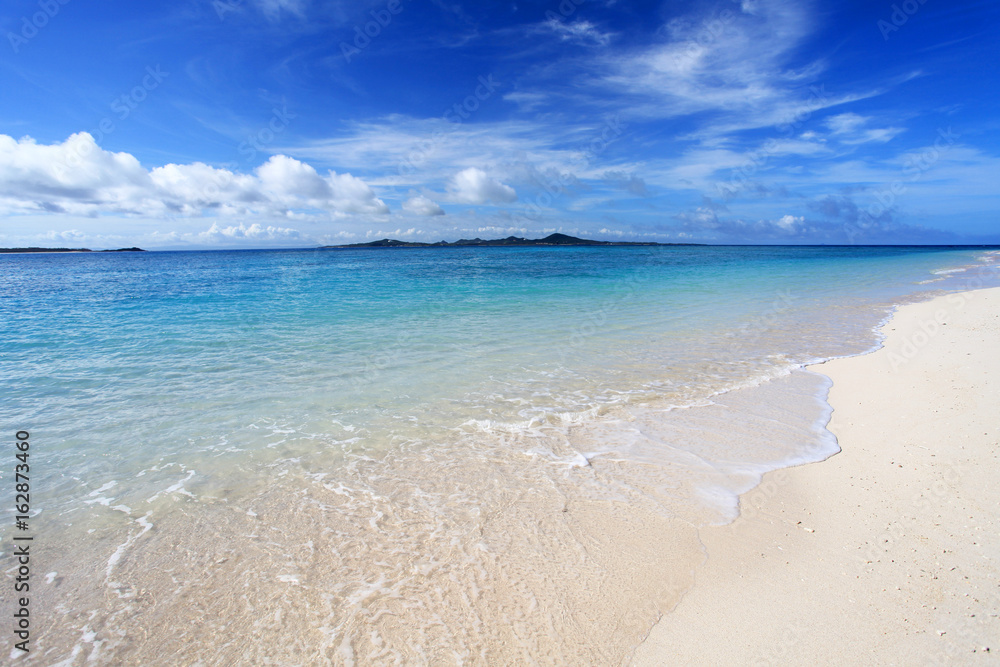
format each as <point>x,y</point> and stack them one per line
<point>887,553</point>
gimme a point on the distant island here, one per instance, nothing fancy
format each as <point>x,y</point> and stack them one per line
<point>33,249</point>
<point>550,240</point>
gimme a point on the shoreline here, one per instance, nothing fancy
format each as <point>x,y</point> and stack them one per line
<point>601,543</point>
<point>879,554</point>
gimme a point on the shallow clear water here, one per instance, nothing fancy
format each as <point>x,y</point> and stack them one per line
<point>473,455</point>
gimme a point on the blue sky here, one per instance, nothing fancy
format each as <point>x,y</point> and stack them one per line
<point>273,123</point>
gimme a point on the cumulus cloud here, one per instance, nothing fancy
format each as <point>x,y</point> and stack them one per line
<point>473,186</point>
<point>292,183</point>
<point>79,177</point>
<point>789,222</point>
<point>254,232</point>
<point>701,218</point>
<point>421,205</point>
<point>71,235</point>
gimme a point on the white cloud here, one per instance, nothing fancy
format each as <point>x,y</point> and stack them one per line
<point>849,129</point>
<point>473,186</point>
<point>394,234</point>
<point>793,147</point>
<point>630,183</point>
<point>579,31</point>
<point>71,235</point>
<point>103,232</point>
<point>78,177</point>
<point>705,222</point>
<point>740,64</point>
<point>292,183</point>
<point>789,222</point>
<point>702,217</point>
<point>421,205</point>
<point>526,101</point>
<point>426,152</point>
<point>274,9</point>
<point>845,123</point>
<point>496,231</point>
<point>254,232</point>
<point>728,62</point>
<point>67,177</point>
<point>879,135</point>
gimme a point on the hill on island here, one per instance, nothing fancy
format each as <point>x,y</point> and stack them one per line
<point>550,240</point>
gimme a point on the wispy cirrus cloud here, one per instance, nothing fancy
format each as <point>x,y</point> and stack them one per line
<point>402,151</point>
<point>853,129</point>
<point>735,66</point>
<point>579,31</point>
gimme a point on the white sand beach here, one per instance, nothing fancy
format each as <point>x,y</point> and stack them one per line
<point>886,553</point>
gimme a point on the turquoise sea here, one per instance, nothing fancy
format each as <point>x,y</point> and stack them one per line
<point>412,456</point>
